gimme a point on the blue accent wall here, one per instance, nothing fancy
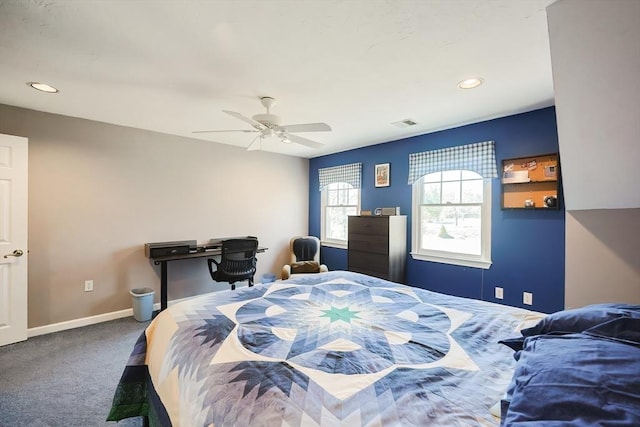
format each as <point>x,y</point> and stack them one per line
<point>527,245</point>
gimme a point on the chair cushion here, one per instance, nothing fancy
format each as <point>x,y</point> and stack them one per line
<point>305,267</point>
<point>305,249</point>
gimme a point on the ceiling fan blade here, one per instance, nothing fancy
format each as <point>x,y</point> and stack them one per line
<point>307,127</point>
<point>303,141</point>
<point>252,122</point>
<point>232,130</point>
<point>256,144</point>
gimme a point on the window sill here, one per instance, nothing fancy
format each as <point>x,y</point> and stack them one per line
<point>335,244</point>
<point>452,261</point>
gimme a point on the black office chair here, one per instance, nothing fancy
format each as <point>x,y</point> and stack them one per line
<point>238,262</point>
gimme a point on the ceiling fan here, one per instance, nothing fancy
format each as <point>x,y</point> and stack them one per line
<point>268,125</point>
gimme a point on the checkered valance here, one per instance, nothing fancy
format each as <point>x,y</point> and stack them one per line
<point>351,174</point>
<point>479,157</point>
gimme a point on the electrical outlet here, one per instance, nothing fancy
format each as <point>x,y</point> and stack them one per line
<point>527,298</point>
<point>88,285</point>
<point>499,292</point>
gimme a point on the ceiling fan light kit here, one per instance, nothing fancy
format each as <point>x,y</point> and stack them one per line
<point>268,126</point>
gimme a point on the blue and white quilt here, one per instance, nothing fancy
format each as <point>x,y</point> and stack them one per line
<point>328,349</point>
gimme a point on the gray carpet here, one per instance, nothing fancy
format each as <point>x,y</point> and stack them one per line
<point>66,378</point>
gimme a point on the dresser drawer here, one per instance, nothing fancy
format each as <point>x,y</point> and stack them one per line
<point>369,243</point>
<point>366,261</point>
<point>381,275</point>
<point>374,225</point>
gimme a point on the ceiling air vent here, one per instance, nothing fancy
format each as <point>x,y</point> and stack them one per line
<point>405,123</point>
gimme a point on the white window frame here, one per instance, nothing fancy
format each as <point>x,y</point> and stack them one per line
<point>478,261</point>
<point>324,240</point>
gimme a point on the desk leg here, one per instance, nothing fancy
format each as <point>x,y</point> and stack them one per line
<point>163,285</point>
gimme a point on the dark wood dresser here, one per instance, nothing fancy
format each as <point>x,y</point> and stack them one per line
<point>378,246</point>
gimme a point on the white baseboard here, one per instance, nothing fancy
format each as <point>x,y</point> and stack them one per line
<point>92,320</point>
<point>84,321</point>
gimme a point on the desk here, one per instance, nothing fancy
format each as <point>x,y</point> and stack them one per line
<point>214,248</point>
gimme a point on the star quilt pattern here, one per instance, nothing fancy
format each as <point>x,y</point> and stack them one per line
<point>329,349</point>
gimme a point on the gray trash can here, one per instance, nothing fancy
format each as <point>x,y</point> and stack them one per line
<point>142,303</point>
<point>268,278</point>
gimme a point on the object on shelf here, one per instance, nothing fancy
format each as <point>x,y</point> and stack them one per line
<point>511,177</point>
<point>550,201</point>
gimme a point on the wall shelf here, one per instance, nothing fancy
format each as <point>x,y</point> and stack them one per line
<point>531,182</point>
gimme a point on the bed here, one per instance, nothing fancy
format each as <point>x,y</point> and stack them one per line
<point>328,349</point>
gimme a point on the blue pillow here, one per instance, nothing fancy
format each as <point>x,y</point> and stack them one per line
<point>574,380</point>
<point>581,319</point>
<point>623,329</point>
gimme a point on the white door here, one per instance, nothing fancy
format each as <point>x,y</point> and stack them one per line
<point>13,238</point>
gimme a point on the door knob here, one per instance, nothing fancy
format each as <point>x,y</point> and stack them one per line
<point>16,253</point>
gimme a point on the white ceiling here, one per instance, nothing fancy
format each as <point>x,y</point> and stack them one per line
<point>358,65</point>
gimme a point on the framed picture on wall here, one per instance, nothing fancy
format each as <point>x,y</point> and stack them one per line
<point>383,175</point>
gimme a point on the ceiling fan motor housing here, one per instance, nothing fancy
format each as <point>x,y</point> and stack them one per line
<point>269,120</point>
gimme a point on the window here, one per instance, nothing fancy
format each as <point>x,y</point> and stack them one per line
<point>339,200</point>
<point>340,197</point>
<point>452,218</point>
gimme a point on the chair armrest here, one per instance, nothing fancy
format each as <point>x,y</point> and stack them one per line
<point>213,271</point>
<point>286,272</point>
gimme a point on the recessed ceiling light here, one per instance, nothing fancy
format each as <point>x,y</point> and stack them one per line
<point>43,87</point>
<point>470,83</point>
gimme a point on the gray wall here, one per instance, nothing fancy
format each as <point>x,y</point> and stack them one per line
<point>98,192</point>
<point>603,262</point>
<point>595,55</point>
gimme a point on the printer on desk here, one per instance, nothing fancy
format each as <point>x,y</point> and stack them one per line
<point>217,242</point>
<point>160,249</point>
